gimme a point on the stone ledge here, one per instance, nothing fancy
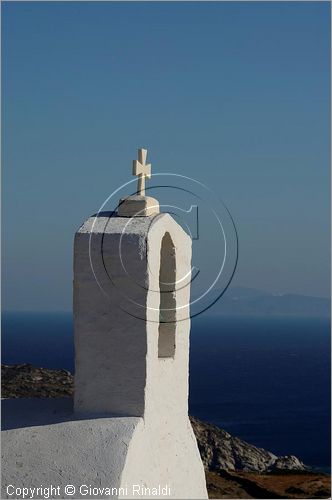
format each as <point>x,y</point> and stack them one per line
<point>138,206</point>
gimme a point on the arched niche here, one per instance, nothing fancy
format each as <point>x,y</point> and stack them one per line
<point>167,307</point>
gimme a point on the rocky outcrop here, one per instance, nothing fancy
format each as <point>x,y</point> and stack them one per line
<point>222,452</point>
<point>289,462</point>
<point>27,381</point>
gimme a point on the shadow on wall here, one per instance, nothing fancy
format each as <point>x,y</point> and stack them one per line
<point>167,308</point>
<point>19,413</point>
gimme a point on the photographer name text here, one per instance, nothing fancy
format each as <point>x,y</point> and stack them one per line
<point>84,490</point>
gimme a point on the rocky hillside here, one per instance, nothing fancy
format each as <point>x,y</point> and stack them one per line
<point>221,451</point>
<point>234,468</point>
<point>27,381</point>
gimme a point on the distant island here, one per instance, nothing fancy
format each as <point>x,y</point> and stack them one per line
<point>249,301</point>
<point>234,468</point>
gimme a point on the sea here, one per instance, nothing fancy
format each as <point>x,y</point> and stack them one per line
<point>263,379</point>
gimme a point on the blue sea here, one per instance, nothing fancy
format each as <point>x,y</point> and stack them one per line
<point>263,379</point>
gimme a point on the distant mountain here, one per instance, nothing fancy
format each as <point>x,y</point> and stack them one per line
<point>248,301</point>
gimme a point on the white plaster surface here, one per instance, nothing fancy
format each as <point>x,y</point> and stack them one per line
<point>126,376</point>
<point>116,317</point>
<point>131,422</point>
<point>44,444</point>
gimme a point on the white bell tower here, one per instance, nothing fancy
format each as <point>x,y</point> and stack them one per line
<point>132,275</point>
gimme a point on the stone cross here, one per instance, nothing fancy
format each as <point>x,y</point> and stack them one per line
<point>142,170</point>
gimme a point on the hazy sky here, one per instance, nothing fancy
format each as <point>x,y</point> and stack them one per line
<point>235,95</point>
